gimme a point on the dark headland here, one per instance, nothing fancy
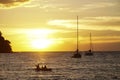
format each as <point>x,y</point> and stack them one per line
<point>4,45</point>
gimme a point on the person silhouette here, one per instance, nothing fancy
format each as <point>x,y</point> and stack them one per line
<point>37,67</point>
<point>45,67</point>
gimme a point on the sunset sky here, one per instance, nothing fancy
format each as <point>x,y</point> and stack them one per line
<point>50,25</point>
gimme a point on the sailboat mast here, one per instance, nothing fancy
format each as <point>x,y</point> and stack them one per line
<point>91,47</point>
<point>77,34</point>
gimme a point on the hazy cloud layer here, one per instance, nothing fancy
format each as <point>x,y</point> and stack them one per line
<point>11,3</point>
<point>76,5</point>
<point>92,23</point>
<point>102,21</point>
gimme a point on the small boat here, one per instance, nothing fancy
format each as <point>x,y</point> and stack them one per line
<point>90,52</point>
<point>42,68</point>
<point>77,53</point>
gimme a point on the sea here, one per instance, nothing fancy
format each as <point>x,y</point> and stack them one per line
<point>21,66</point>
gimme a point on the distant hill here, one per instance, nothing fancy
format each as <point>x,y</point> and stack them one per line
<point>4,45</point>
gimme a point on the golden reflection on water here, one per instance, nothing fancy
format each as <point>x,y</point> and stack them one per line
<point>41,58</point>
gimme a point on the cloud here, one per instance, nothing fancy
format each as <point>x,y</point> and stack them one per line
<point>65,23</point>
<point>29,6</point>
<point>11,3</point>
<point>102,21</point>
<point>97,5</point>
<point>91,23</point>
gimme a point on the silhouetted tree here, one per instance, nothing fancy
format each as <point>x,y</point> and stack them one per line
<point>4,45</point>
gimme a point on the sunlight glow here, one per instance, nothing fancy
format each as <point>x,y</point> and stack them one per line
<point>39,38</point>
<point>66,23</point>
<point>39,33</point>
<point>36,39</point>
<point>41,44</point>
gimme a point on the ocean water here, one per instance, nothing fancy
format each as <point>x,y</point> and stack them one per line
<point>20,66</point>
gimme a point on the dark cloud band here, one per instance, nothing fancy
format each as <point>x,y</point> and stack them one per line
<point>11,3</point>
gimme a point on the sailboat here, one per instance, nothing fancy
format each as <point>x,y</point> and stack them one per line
<point>89,52</point>
<point>77,54</point>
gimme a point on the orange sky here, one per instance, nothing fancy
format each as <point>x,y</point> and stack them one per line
<point>50,25</point>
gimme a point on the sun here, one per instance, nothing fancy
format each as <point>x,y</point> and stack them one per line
<point>41,44</point>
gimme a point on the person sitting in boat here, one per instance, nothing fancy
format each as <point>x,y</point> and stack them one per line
<point>37,67</point>
<point>44,67</point>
